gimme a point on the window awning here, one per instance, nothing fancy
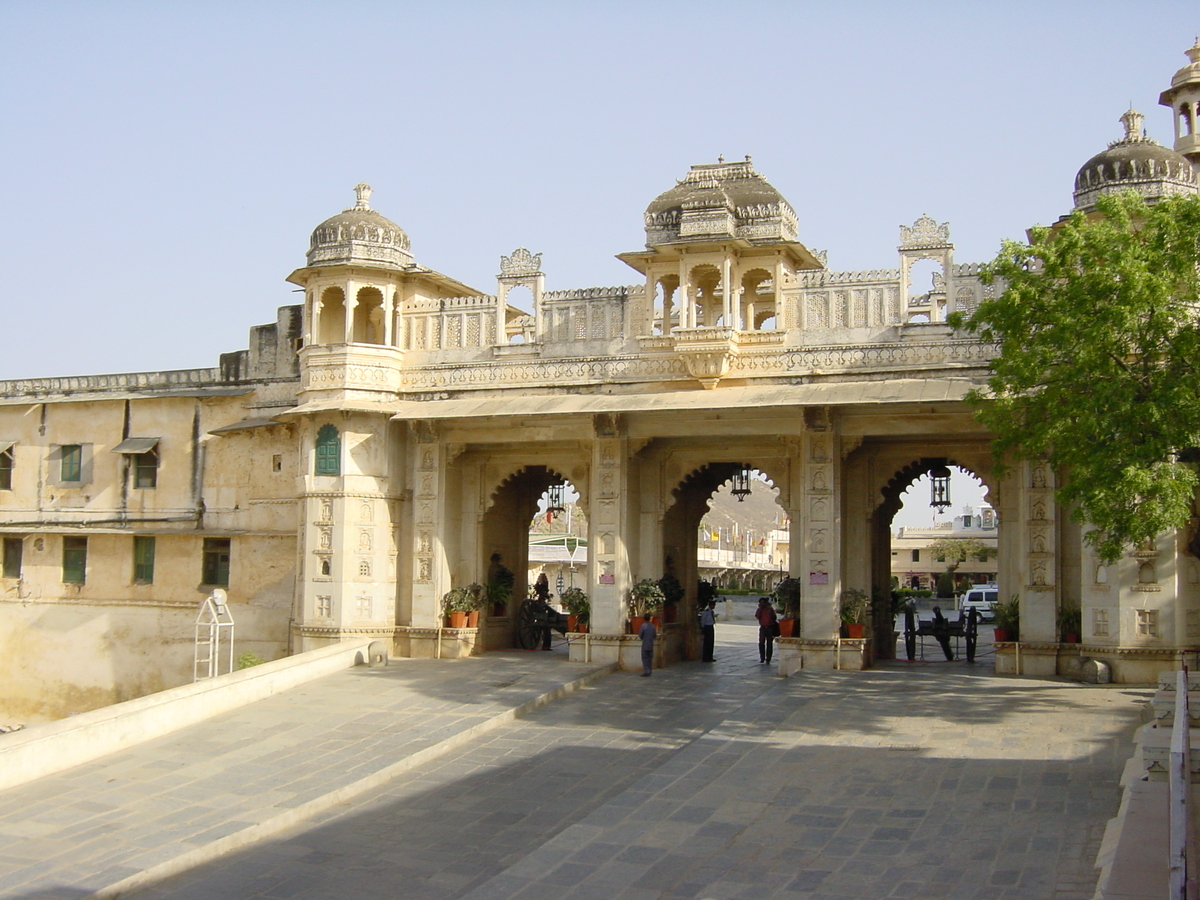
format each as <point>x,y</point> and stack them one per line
<point>244,424</point>
<point>136,445</point>
<point>5,446</point>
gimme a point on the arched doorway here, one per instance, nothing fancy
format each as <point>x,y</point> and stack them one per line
<point>929,556</point>
<point>504,548</point>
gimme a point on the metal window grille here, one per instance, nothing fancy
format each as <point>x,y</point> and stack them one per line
<point>6,470</point>
<point>13,550</point>
<point>143,559</point>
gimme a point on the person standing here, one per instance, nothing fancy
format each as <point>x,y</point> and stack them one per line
<point>767,625</point>
<point>647,633</point>
<point>541,590</point>
<point>708,631</point>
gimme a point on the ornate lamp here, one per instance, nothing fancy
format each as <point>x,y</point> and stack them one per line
<point>939,492</point>
<point>556,500</point>
<point>741,484</point>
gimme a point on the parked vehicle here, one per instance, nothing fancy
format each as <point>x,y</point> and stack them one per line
<point>980,598</point>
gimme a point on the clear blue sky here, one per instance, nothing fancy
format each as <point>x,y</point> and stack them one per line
<point>163,164</point>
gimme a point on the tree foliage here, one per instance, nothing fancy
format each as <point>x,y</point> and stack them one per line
<point>956,551</point>
<point>1097,369</point>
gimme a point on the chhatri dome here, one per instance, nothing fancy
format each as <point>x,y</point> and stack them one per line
<point>1137,163</point>
<point>720,201</point>
<point>359,235</point>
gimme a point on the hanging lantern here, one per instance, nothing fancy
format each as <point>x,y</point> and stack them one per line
<point>556,501</point>
<point>741,484</point>
<point>939,492</point>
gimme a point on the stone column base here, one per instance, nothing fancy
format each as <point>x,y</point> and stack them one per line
<point>437,643</point>
<point>794,654</point>
<point>626,649</point>
<point>1129,665</point>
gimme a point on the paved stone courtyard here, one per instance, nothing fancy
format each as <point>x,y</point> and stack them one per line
<point>718,781</point>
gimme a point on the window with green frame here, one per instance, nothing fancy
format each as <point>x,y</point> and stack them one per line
<point>145,469</point>
<point>13,551</point>
<point>329,451</point>
<point>143,559</point>
<point>71,462</point>
<point>216,562</point>
<point>74,563</point>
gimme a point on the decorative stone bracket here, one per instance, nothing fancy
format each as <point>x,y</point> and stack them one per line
<point>707,352</point>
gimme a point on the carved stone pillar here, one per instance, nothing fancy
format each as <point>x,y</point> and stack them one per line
<point>818,564</point>
<point>431,574</point>
<point>608,533</point>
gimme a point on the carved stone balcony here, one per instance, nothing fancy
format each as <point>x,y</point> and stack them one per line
<point>350,372</point>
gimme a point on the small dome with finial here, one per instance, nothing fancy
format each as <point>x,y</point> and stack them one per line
<point>1135,162</point>
<point>359,235</point>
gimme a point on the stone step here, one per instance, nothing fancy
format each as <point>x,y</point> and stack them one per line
<point>1168,680</point>
<point>1156,753</point>
<point>1163,704</point>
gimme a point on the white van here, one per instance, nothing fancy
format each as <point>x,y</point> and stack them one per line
<point>980,598</point>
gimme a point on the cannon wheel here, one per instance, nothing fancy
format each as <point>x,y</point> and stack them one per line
<point>910,631</point>
<point>529,631</point>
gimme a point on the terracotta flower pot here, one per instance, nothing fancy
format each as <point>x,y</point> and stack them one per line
<point>457,619</point>
<point>473,619</point>
<point>787,627</point>
<point>854,629</point>
<point>1001,634</point>
<point>1070,638</point>
<point>574,626</point>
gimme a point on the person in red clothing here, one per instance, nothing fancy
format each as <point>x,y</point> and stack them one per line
<point>767,623</point>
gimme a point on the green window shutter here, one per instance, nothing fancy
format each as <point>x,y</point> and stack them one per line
<point>74,567</point>
<point>329,451</point>
<point>216,562</point>
<point>71,468</point>
<point>143,559</point>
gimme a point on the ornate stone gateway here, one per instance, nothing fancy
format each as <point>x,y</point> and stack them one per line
<point>387,441</point>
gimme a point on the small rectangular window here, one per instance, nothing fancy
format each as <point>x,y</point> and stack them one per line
<point>71,462</point>
<point>916,556</point>
<point>74,562</point>
<point>13,550</point>
<point>277,462</point>
<point>145,470</point>
<point>143,559</point>
<point>216,562</point>
<point>6,467</point>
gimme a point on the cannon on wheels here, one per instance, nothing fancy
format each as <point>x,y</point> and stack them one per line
<point>941,630</point>
<point>533,619</point>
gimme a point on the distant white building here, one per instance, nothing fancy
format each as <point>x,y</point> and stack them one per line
<point>915,565</point>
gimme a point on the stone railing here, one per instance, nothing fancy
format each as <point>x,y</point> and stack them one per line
<point>81,384</point>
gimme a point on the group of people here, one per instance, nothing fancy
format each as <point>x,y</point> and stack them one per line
<point>768,630</point>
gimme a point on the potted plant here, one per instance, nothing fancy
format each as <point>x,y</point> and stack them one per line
<point>1007,616</point>
<point>458,602</point>
<point>645,599</point>
<point>672,593</point>
<point>578,609</point>
<point>499,586</point>
<point>787,605</point>
<point>1070,621</point>
<point>854,611</point>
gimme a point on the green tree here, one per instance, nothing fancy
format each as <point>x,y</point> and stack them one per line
<point>1099,344</point>
<point>954,552</point>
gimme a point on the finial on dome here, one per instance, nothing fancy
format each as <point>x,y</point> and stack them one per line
<point>721,158</point>
<point>1132,120</point>
<point>362,191</point>
<point>1193,52</point>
